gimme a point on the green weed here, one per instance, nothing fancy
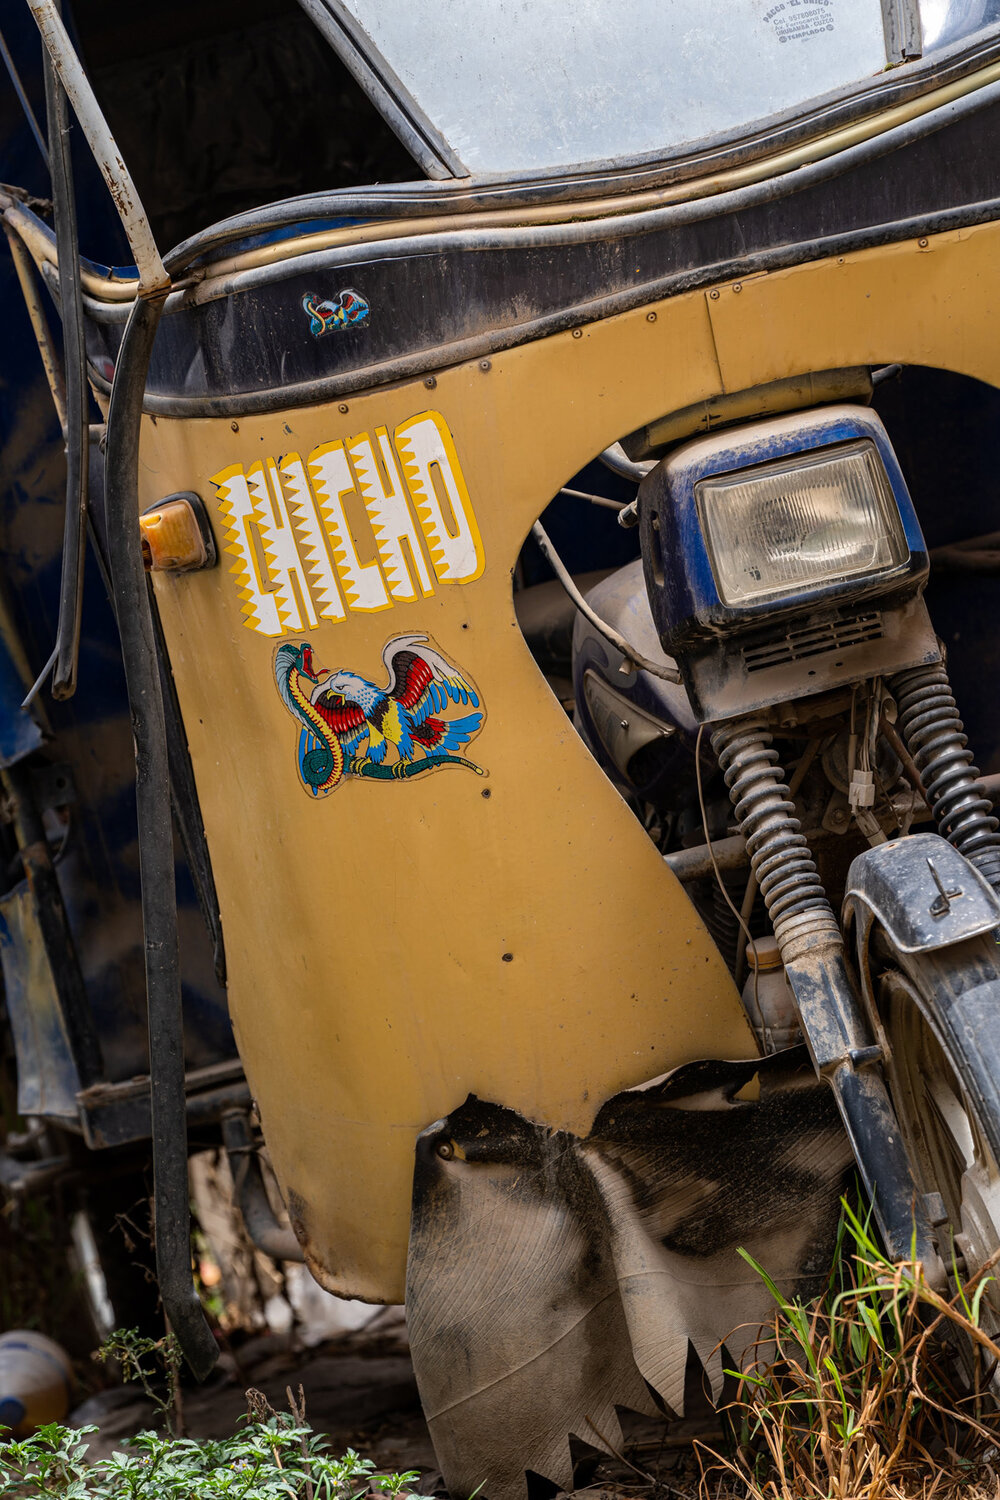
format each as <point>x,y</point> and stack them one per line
<point>272,1460</point>
<point>273,1455</point>
<point>860,1394</point>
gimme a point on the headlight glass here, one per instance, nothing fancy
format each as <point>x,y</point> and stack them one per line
<point>807,520</point>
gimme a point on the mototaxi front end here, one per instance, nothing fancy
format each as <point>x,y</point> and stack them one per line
<point>568,567</point>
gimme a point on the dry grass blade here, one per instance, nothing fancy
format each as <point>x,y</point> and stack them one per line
<point>859,1395</point>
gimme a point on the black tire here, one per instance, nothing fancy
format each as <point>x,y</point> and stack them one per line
<point>941,1016</point>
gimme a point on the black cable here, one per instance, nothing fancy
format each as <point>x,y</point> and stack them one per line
<point>156,846</point>
<point>74,556</point>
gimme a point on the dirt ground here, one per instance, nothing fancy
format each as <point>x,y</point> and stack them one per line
<point>360,1392</point>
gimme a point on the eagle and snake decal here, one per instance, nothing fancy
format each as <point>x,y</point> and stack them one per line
<point>419,721</point>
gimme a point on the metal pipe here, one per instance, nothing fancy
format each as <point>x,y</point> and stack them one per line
<point>23,99</point>
<point>153,279</point>
<point>40,242</point>
<point>696,864</point>
<point>251,1194</point>
<point>156,845</point>
<point>731,853</point>
<point>617,460</point>
<point>601,500</point>
<point>39,322</point>
<point>77,425</point>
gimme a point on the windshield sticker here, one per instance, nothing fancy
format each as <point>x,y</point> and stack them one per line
<point>349,307</point>
<point>419,721</point>
<point>352,528</point>
<point>794,20</point>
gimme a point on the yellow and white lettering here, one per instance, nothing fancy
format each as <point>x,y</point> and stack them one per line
<point>316,558</point>
<point>427,450</point>
<point>385,500</point>
<point>364,586</point>
<point>280,552</point>
<point>237,506</point>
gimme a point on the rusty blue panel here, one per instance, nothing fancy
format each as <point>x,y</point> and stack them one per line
<point>47,1080</point>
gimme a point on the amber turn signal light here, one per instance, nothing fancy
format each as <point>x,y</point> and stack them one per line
<point>176,535</point>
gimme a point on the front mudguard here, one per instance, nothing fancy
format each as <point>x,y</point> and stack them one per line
<point>923,895</point>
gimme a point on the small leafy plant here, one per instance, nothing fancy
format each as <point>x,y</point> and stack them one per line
<point>397,1484</point>
<point>860,1394</point>
<point>273,1456</point>
<point>155,1364</point>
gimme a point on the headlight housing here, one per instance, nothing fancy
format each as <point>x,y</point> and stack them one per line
<point>797,524</point>
<point>765,544</point>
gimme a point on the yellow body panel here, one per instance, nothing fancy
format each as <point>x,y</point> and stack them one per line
<point>393,947</point>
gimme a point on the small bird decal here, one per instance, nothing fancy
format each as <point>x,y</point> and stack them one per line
<point>349,307</point>
<point>353,727</point>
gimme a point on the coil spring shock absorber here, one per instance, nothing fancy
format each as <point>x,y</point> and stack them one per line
<point>931,729</point>
<point>813,952</point>
<point>785,869</point>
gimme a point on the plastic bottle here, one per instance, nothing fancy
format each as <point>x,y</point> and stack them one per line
<point>35,1382</point>
<point>772,1010</point>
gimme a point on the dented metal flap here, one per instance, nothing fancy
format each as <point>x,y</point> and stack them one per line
<point>552,1280</point>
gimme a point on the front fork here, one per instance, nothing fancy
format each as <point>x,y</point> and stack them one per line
<point>812,949</point>
<point>808,934</point>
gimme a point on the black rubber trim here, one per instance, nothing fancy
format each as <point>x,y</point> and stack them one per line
<point>156,847</point>
<point>733,149</point>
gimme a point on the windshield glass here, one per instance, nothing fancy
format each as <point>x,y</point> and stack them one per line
<point>524,85</point>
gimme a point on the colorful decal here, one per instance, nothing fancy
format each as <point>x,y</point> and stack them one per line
<point>352,727</point>
<point>356,526</point>
<point>350,307</point>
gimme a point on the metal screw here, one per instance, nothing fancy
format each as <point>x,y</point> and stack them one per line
<point>714,296</point>
<point>484,365</point>
<point>922,244</point>
<point>738,287</point>
<point>235,426</point>
<point>578,333</point>
<point>507,958</point>
<point>342,408</point>
<point>445,1150</point>
<point>430,382</point>
<point>623,723</point>
<point>650,317</point>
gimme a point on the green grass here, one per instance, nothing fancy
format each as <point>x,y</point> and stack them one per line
<point>864,1393</point>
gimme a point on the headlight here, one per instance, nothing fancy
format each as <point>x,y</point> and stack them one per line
<point>784,558</point>
<point>799,523</point>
